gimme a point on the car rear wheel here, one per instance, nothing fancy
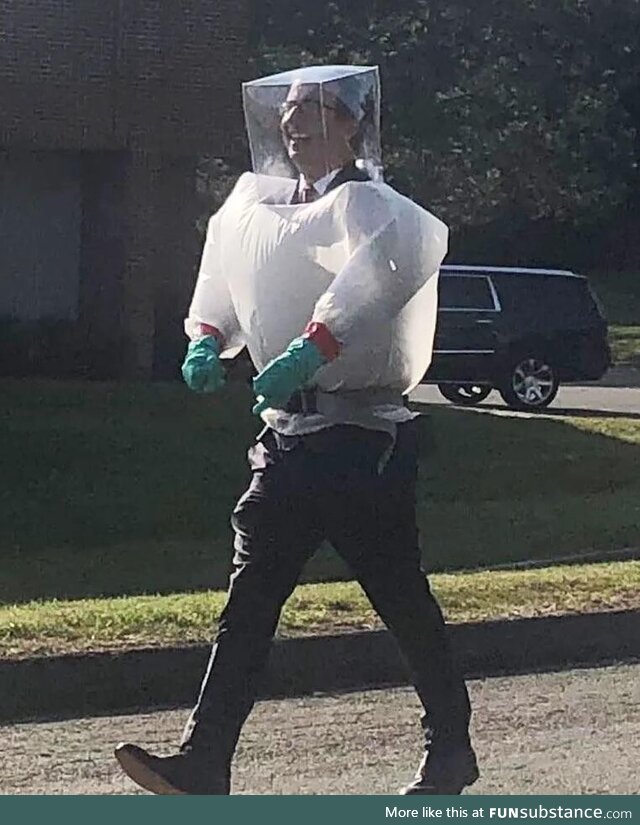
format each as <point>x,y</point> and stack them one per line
<point>465,394</point>
<point>531,383</point>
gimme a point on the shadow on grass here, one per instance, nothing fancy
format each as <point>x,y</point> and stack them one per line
<point>126,489</point>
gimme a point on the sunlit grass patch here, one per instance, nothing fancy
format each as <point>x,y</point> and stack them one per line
<point>53,627</point>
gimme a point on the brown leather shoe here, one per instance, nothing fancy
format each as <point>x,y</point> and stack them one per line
<point>183,773</point>
<point>444,772</point>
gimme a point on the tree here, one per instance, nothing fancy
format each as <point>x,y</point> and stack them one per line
<point>492,109</point>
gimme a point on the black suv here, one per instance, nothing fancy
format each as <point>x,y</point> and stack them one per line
<point>520,331</point>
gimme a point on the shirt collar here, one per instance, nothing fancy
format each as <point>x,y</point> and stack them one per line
<point>321,185</point>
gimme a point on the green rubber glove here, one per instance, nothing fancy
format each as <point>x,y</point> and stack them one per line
<point>287,373</point>
<point>202,370</point>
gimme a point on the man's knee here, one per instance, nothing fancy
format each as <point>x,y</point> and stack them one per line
<point>250,514</point>
<point>402,588</point>
<point>254,601</point>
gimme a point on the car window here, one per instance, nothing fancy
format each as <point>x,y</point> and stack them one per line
<point>560,301</point>
<point>465,292</point>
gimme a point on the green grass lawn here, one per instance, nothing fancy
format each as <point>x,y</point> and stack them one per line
<point>150,621</point>
<point>625,345</point>
<point>125,489</point>
<point>620,295</point>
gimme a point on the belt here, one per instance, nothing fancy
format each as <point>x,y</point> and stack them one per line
<point>303,401</point>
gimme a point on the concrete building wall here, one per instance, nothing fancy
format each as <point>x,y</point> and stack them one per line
<point>152,75</point>
<point>131,92</point>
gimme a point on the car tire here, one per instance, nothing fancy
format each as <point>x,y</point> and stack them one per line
<point>530,382</point>
<point>466,395</point>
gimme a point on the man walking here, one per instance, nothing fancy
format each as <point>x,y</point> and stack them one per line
<point>329,278</point>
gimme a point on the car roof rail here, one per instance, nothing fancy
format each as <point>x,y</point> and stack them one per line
<point>512,270</point>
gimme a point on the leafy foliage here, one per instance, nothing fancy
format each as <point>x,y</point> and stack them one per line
<point>528,109</point>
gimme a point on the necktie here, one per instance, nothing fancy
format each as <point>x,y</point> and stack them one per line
<point>308,194</point>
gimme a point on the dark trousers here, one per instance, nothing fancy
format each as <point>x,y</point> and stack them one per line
<point>306,489</point>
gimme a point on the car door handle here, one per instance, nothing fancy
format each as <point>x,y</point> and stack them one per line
<point>484,321</point>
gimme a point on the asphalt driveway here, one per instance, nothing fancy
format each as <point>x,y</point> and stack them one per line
<point>617,394</point>
<point>573,732</point>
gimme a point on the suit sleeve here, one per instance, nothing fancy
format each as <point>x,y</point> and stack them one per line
<point>211,304</point>
<point>394,248</point>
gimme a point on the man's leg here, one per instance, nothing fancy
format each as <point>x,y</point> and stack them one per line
<point>376,533</point>
<point>276,530</point>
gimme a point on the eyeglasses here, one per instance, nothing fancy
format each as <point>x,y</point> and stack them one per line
<point>290,105</point>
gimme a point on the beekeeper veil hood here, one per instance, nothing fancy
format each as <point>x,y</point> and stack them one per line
<point>314,120</point>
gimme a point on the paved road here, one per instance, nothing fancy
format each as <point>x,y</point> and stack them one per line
<point>571,732</point>
<point>571,400</point>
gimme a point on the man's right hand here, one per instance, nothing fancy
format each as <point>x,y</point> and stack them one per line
<point>202,370</point>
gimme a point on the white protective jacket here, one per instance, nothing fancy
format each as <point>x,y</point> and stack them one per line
<point>362,259</point>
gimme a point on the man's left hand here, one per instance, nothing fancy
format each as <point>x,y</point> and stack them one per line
<point>287,373</point>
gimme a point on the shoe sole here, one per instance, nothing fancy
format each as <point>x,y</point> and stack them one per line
<point>142,775</point>
<point>453,790</point>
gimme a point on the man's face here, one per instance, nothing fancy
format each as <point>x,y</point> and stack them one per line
<point>316,130</point>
